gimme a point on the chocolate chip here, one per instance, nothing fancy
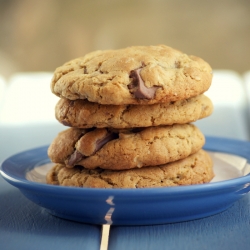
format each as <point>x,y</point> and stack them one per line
<point>74,158</point>
<point>138,86</point>
<point>94,140</point>
<point>101,142</point>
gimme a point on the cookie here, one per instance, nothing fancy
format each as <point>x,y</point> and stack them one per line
<point>195,169</point>
<point>133,75</point>
<point>85,114</point>
<point>125,148</point>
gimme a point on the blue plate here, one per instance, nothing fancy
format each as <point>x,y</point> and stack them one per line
<point>130,206</point>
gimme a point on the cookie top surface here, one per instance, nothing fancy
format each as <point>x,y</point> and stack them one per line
<point>133,75</point>
<point>125,148</point>
<point>85,114</point>
<point>194,169</point>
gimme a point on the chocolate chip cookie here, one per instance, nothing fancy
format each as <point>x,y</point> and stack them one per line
<point>133,75</point>
<point>194,169</point>
<point>118,149</point>
<point>85,114</point>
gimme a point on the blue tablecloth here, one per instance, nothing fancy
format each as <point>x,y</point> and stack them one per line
<point>24,225</point>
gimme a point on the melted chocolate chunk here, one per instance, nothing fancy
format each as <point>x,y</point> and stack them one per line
<point>74,158</point>
<point>138,86</point>
<point>101,142</point>
<point>90,143</point>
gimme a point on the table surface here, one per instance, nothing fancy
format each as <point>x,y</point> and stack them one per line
<point>25,225</point>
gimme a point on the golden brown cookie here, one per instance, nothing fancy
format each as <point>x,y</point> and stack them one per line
<point>195,169</point>
<point>134,75</point>
<point>85,114</point>
<point>125,148</point>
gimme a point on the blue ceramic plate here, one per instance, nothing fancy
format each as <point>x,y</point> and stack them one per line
<point>132,206</point>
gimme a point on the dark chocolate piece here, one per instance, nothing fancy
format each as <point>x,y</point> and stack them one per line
<point>141,91</point>
<point>74,158</point>
<point>101,142</point>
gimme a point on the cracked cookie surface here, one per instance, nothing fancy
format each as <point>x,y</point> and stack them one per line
<point>85,114</point>
<point>195,169</point>
<point>118,149</point>
<point>133,75</point>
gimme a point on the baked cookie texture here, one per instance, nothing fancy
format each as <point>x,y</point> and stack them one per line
<point>133,75</point>
<point>130,112</point>
<point>125,148</point>
<point>194,169</point>
<point>85,114</point>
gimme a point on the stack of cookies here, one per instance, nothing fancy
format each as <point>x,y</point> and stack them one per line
<point>130,113</point>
